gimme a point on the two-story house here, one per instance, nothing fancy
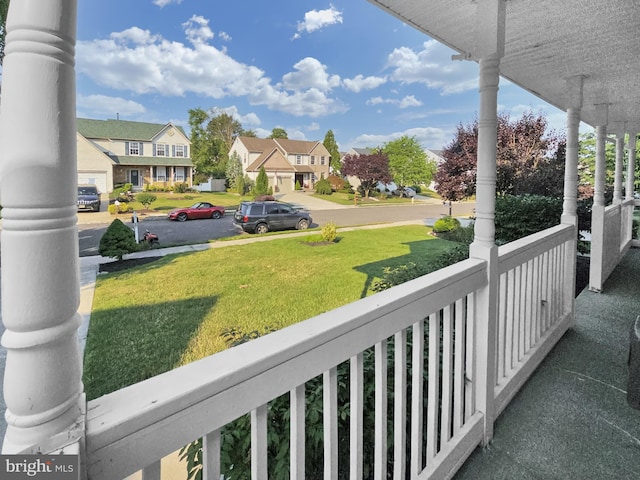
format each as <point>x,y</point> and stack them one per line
<point>285,161</point>
<point>114,152</point>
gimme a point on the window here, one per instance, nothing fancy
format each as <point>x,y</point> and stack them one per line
<point>298,159</point>
<point>180,151</point>
<point>179,174</point>
<point>134,148</point>
<point>161,174</point>
<point>161,150</point>
<point>313,160</point>
<point>322,160</point>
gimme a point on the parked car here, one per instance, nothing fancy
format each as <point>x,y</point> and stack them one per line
<point>405,192</point>
<point>261,217</point>
<point>88,198</point>
<point>197,210</point>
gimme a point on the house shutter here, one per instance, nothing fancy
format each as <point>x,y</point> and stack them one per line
<point>154,173</point>
<point>186,151</point>
<point>126,148</point>
<point>141,149</point>
<point>154,149</point>
<point>173,150</point>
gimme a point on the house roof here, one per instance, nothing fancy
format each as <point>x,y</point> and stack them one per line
<point>121,129</point>
<point>296,146</point>
<point>150,161</point>
<point>548,45</point>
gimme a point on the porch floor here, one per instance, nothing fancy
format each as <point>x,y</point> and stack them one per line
<point>571,419</point>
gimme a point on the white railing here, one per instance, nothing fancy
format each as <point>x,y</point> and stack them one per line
<point>431,318</point>
<point>415,343</point>
<point>534,305</point>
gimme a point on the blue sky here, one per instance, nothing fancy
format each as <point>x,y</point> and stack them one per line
<point>303,65</point>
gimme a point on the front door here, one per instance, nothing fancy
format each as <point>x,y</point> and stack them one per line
<point>135,178</point>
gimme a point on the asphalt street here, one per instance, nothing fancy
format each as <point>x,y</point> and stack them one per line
<point>201,231</point>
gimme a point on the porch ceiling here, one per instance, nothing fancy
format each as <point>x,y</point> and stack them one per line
<point>547,42</point>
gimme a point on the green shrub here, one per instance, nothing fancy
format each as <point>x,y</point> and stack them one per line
<point>446,224</point>
<point>146,199</point>
<point>329,232</point>
<point>112,209</point>
<point>459,234</point>
<point>181,187</point>
<point>404,273</point>
<point>298,187</point>
<point>241,186</point>
<point>323,187</point>
<point>117,241</point>
<point>120,191</point>
<point>262,183</point>
<point>522,215</point>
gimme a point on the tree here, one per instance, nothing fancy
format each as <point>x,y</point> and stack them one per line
<point>212,134</point>
<point>117,241</point>
<point>278,133</point>
<point>262,183</point>
<point>408,162</point>
<point>331,145</point>
<point>234,170</point>
<point>524,148</point>
<point>369,169</point>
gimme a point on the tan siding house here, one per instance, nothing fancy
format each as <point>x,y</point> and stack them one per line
<point>114,152</point>
<point>285,161</point>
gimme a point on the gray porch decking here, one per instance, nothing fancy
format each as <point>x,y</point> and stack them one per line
<point>571,419</point>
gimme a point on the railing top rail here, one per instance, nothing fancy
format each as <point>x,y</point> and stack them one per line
<point>517,252</point>
<point>237,380</point>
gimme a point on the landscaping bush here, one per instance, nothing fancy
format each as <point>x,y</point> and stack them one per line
<point>323,187</point>
<point>298,187</point>
<point>522,215</point>
<point>181,187</point>
<point>241,186</point>
<point>122,207</point>
<point>117,241</point>
<point>121,192</point>
<point>404,273</point>
<point>262,183</point>
<point>329,232</point>
<point>146,199</point>
<point>459,234</point>
<point>445,224</point>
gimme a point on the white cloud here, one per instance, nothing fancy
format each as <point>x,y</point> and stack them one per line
<point>406,102</point>
<point>163,3</point>
<point>224,36</point>
<point>318,19</point>
<point>312,127</point>
<point>248,120</point>
<point>108,106</point>
<point>145,63</point>
<point>428,137</point>
<point>433,67</point>
<point>310,73</point>
<point>359,83</point>
<point>197,30</point>
<point>295,134</point>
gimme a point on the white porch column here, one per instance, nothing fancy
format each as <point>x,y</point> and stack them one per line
<point>490,26</point>
<point>569,206</point>
<point>617,183</point>
<point>631,165</point>
<point>597,213</point>
<point>40,276</point>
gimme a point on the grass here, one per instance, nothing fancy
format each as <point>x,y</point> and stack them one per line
<point>159,316</point>
<point>347,199</point>
<point>167,201</point>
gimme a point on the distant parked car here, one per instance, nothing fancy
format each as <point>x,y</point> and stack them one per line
<point>405,192</point>
<point>197,210</point>
<point>262,217</point>
<point>88,198</point>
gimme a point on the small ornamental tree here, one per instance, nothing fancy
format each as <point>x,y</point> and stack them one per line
<point>262,183</point>
<point>369,169</point>
<point>117,241</point>
<point>146,199</point>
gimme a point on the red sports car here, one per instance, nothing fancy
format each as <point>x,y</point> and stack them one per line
<point>197,210</point>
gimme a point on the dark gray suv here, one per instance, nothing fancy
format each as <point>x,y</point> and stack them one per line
<point>88,198</point>
<point>261,217</point>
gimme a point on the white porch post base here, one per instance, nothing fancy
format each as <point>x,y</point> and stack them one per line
<point>40,275</point>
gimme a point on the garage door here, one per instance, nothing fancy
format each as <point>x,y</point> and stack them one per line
<point>94,178</point>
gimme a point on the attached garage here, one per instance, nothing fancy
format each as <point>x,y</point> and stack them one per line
<point>94,178</point>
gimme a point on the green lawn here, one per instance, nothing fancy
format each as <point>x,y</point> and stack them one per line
<point>168,201</point>
<point>156,317</point>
